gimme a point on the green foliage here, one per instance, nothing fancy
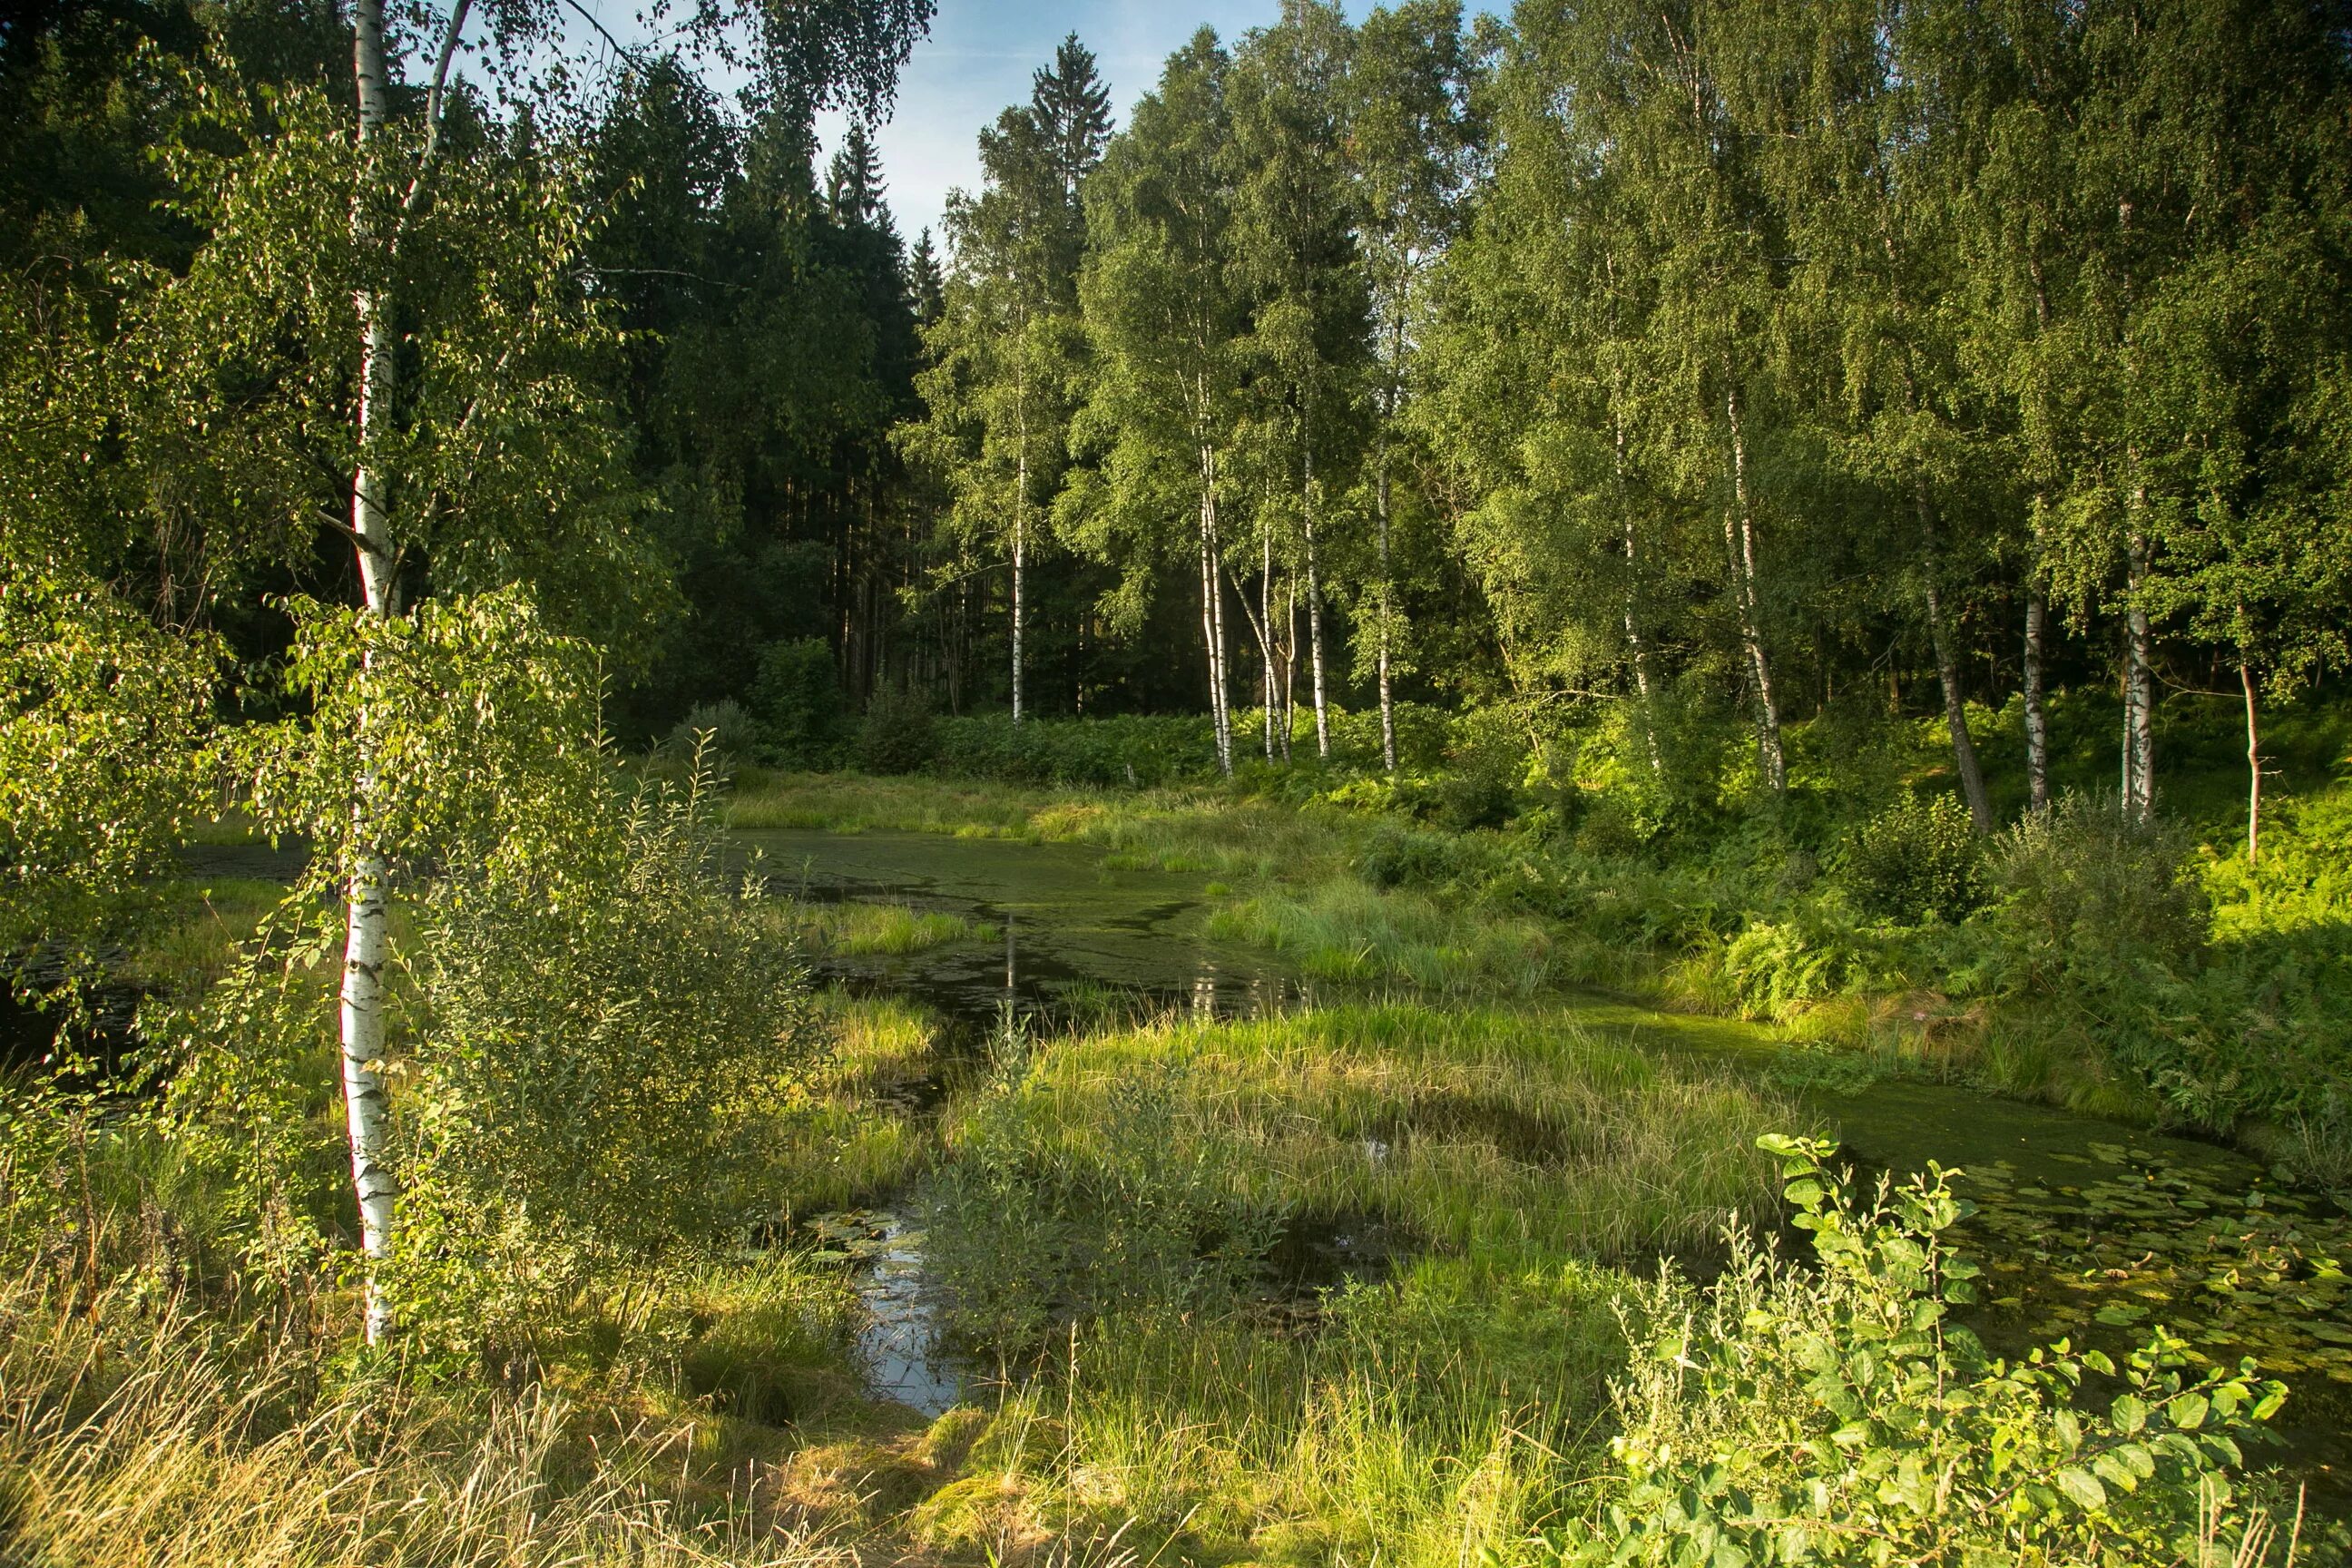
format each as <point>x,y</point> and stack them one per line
<point>1917,860</point>
<point>732,735</point>
<point>798,699</point>
<point>588,1028</point>
<point>1782,1415</point>
<point>102,754</point>
<point>1033,1222</point>
<point>899,734</point>
<point>2088,894</point>
<point>1115,753</point>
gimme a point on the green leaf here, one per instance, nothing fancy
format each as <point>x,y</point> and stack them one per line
<point>2129,1413</point>
<point>2082,1488</point>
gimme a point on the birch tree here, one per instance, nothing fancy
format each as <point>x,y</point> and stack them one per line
<point>1293,248</point>
<point>402,280</point>
<point>1408,147</point>
<point>1164,316</point>
<point>1008,348</point>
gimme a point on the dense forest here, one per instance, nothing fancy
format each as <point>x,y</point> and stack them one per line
<point>1556,789</point>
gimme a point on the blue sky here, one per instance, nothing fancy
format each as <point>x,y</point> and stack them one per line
<point>978,59</point>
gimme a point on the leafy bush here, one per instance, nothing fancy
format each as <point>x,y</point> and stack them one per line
<point>1917,860</point>
<point>898,735</point>
<point>1396,857</point>
<point>588,1031</point>
<point>1786,1416</point>
<point>1028,1225</point>
<point>735,735</point>
<point>2089,894</point>
<point>799,702</point>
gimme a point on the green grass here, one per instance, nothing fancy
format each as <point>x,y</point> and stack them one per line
<point>1443,1408</point>
<point>1347,932</point>
<point>854,930</point>
<point>1507,1137</point>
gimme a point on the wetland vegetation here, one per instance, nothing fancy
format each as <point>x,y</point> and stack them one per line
<point>1558,790</point>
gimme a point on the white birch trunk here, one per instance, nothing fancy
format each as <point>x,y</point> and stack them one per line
<point>1020,512</point>
<point>1388,698</point>
<point>2037,723</point>
<point>1315,608</point>
<point>1213,614</point>
<point>366,921</point>
<point>1265,630</point>
<point>2253,765</point>
<point>1739,540</point>
<point>1289,663</point>
<point>2139,674</point>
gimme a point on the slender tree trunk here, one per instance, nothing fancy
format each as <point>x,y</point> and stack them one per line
<point>1020,516</point>
<point>1260,630</point>
<point>1314,611</point>
<point>2139,673</point>
<point>367,925</point>
<point>1388,694</point>
<point>1209,635</point>
<point>1947,671</point>
<point>1636,648</point>
<point>1289,665</point>
<point>1212,613</point>
<point>2253,765</point>
<point>1266,624</point>
<point>2037,724</point>
<point>1739,539</point>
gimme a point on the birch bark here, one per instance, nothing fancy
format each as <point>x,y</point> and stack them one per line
<point>1948,672</point>
<point>1739,540</point>
<point>2139,673</point>
<point>1020,507</point>
<point>366,921</point>
<point>2253,766</point>
<point>1314,616</point>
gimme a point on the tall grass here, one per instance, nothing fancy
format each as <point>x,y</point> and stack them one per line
<point>1505,1136</point>
<point>1508,1160</point>
<point>152,1433</point>
<point>1347,932</point>
<point>861,930</point>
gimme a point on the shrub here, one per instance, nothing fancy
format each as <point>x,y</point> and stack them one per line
<point>1029,1224</point>
<point>2088,893</point>
<point>1917,860</point>
<point>1396,857</point>
<point>799,702</point>
<point>1787,1416</point>
<point>898,735</point>
<point>588,1032</point>
<point>734,734</point>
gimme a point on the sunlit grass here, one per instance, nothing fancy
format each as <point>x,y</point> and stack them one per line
<point>862,930</point>
<point>1345,931</point>
<point>137,1436</point>
<point>1523,1159</point>
<point>1505,1135</point>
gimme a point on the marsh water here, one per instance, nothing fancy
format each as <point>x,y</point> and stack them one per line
<point>2092,1229</point>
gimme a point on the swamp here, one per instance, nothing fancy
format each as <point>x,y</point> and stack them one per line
<point>1408,788</point>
